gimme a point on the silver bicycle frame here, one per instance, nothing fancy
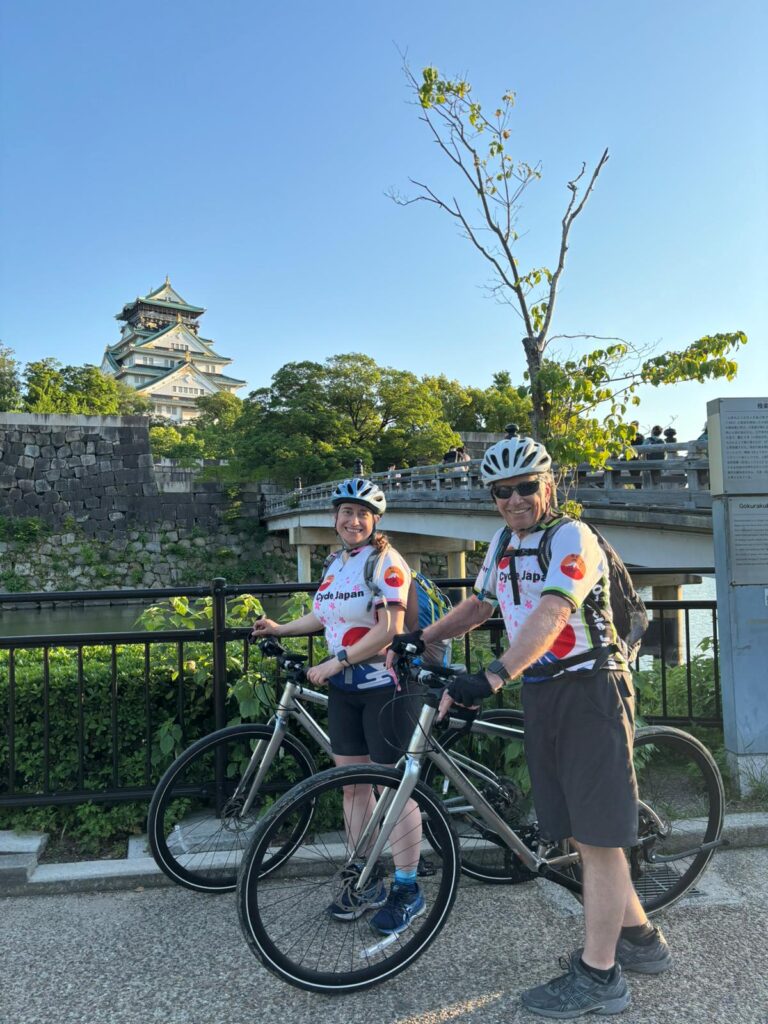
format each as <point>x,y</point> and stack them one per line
<point>265,750</point>
<point>391,804</point>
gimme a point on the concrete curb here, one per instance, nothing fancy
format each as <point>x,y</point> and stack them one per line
<point>139,870</point>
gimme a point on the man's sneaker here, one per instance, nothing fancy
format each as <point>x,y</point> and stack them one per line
<point>577,993</point>
<point>651,957</point>
<point>403,904</point>
<point>350,904</point>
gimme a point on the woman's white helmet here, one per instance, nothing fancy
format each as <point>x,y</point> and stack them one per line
<point>514,456</point>
<point>361,492</point>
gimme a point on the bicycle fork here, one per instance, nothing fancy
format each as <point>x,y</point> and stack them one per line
<point>391,804</point>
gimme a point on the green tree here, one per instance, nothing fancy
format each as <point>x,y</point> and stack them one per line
<point>52,387</point>
<point>316,419</point>
<point>10,381</point>
<point>45,387</point>
<point>599,385</point>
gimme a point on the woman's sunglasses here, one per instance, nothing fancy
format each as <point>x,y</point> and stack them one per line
<point>525,490</point>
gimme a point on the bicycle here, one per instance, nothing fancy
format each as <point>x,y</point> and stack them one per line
<point>207,803</point>
<point>283,912</point>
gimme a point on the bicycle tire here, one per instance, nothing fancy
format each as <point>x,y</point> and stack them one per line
<point>195,835</point>
<point>284,917</point>
<point>483,858</point>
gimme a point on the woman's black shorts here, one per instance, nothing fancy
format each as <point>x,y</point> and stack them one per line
<point>377,723</point>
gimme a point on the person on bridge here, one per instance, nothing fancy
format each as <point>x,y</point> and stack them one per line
<point>579,715</point>
<point>365,721</point>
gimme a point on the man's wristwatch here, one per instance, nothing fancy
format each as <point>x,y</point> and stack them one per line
<point>341,657</point>
<point>498,669</point>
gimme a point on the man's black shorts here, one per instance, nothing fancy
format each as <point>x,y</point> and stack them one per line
<point>378,723</point>
<point>579,733</point>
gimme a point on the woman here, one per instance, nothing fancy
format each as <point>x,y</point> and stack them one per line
<point>364,722</point>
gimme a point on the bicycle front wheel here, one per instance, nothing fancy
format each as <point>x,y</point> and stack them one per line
<point>496,766</point>
<point>196,826</point>
<point>290,918</point>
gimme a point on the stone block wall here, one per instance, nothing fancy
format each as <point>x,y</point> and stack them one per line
<point>96,472</point>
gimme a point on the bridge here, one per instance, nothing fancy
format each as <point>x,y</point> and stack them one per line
<point>657,514</point>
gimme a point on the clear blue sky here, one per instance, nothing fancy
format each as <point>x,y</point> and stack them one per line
<point>244,149</point>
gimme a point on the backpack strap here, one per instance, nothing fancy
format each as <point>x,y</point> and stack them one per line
<point>371,572</point>
<point>501,547</point>
<point>329,560</point>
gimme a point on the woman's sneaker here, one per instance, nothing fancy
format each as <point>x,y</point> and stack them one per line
<point>351,904</point>
<point>403,904</point>
<point>577,993</point>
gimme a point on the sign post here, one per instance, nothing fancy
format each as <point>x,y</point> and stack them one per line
<point>738,464</point>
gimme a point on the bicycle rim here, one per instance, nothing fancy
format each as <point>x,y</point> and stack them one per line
<point>483,856</point>
<point>285,917</point>
<point>196,827</point>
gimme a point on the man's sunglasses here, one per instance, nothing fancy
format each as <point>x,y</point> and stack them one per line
<point>525,490</point>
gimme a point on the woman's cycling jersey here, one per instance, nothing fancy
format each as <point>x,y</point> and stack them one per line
<point>577,571</point>
<point>345,605</point>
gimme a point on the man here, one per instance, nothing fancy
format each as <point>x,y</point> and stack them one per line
<point>579,712</point>
<point>655,456</point>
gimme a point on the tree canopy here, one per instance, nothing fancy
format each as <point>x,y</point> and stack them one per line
<point>316,419</point>
<point>50,386</point>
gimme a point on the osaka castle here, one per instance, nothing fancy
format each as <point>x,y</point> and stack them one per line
<point>162,356</point>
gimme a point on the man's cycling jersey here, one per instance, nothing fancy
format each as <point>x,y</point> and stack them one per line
<point>577,571</point>
<point>347,608</point>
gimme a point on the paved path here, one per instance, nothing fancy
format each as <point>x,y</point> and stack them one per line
<point>169,956</point>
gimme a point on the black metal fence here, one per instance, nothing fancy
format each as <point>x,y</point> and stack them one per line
<point>41,766</point>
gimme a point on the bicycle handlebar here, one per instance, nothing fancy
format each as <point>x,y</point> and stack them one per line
<point>271,647</point>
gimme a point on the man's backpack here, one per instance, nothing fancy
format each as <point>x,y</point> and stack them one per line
<point>629,614</point>
<point>426,603</point>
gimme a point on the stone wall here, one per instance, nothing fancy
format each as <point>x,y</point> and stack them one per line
<point>97,472</point>
<point>81,509</point>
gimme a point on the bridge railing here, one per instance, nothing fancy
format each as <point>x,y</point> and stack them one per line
<point>679,478</point>
<point>99,716</point>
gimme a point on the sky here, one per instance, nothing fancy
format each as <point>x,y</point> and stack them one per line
<point>245,149</point>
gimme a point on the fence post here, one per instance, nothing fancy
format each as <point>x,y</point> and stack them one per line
<point>219,684</point>
<point>219,652</point>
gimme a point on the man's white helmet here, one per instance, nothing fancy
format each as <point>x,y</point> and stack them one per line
<point>360,492</point>
<point>514,456</point>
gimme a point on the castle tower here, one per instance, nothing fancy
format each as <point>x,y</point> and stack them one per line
<point>162,356</point>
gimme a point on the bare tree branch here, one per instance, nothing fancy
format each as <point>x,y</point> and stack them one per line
<point>570,215</point>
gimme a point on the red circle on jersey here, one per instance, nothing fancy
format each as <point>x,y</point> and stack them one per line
<point>573,566</point>
<point>326,583</point>
<point>353,635</point>
<point>393,577</point>
<point>564,642</point>
<point>504,563</point>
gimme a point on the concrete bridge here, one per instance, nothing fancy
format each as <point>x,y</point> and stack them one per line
<point>657,514</point>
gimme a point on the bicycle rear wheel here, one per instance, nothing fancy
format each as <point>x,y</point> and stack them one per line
<point>681,802</point>
<point>196,829</point>
<point>681,810</point>
<point>285,917</point>
<point>497,767</point>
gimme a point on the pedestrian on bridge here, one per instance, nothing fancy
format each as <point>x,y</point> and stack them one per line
<point>579,715</point>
